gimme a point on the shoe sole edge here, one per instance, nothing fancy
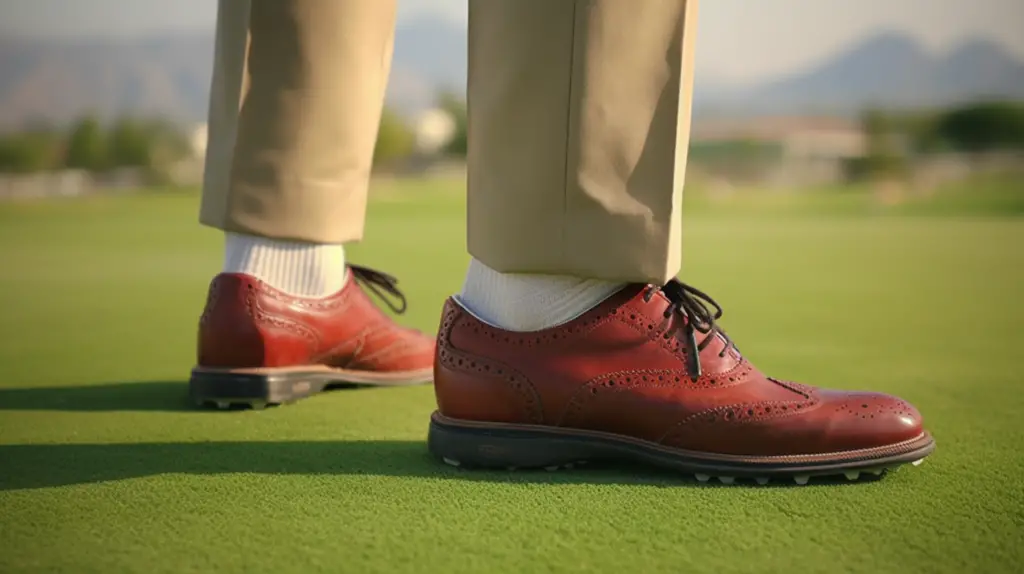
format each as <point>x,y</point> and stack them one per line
<point>482,445</point>
<point>259,387</point>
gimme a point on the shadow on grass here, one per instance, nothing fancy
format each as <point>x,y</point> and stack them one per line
<point>124,396</point>
<point>166,396</point>
<point>28,466</point>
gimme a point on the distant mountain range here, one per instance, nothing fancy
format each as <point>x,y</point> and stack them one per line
<point>58,81</point>
<point>890,70</point>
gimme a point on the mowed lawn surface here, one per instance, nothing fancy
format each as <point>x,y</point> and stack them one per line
<point>105,466</point>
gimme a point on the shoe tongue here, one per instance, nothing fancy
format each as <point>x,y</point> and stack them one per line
<point>675,292</point>
<point>709,356</point>
<point>709,359</point>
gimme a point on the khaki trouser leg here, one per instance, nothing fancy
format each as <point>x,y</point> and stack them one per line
<point>298,88</point>
<point>579,117</point>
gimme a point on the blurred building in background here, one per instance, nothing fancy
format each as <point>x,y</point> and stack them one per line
<point>781,151</point>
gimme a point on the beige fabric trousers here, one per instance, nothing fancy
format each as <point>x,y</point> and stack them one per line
<point>579,114</point>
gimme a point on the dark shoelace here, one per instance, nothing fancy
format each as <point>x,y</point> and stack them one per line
<point>693,304</point>
<point>380,284</point>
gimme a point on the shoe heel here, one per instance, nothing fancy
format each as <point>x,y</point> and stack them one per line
<point>227,388</point>
<point>500,448</point>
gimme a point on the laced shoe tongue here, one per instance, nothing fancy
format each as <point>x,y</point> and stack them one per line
<point>693,305</point>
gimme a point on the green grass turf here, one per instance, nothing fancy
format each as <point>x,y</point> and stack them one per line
<point>105,467</point>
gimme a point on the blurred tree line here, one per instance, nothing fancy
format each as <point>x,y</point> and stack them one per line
<point>155,146</point>
<point>150,145</point>
<point>396,139</point>
<point>456,108</point>
<point>895,138</point>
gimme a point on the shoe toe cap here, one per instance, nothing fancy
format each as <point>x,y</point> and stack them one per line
<point>859,420</point>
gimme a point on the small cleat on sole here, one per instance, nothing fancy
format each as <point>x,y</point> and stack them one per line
<point>223,405</point>
<point>727,479</point>
<point>801,479</point>
<point>451,462</point>
<point>762,480</point>
<point>551,468</point>
<point>917,462</point>
<point>702,477</point>
<point>852,474</point>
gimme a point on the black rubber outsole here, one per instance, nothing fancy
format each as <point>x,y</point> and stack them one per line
<point>502,447</point>
<point>257,390</point>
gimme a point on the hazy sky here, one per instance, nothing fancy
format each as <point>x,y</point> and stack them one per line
<point>740,40</point>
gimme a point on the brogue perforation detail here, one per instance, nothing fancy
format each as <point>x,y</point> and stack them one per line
<point>334,303</point>
<point>398,347</point>
<point>531,339</point>
<point>651,329</point>
<point>745,413</point>
<point>458,361</point>
<point>212,297</point>
<point>868,407</point>
<point>798,388</point>
<point>260,316</point>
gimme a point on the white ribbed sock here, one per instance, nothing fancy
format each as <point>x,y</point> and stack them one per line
<point>518,302</point>
<point>300,269</point>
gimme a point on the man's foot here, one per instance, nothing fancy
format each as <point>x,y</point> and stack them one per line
<point>259,346</point>
<point>648,376</point>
